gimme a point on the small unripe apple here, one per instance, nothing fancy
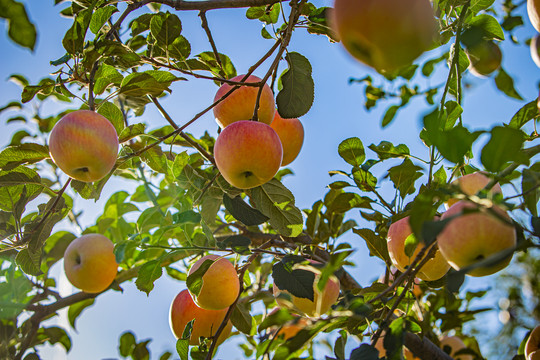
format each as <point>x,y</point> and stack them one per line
<point>220,283</point>
<point>84,145</point>
<point>240,105</point>
<point>398,232</point>
<point>471,184</point>
<point>322,300</point>
<point>183,310</point>
<point>532,347</point>
<point>533,9</point>
<point>485,57</point>
<point>248,153</point>
<point>535,49</point>
<point>474,236</point>
<point>451,345</point>
<point>291,134</point>
<point>90,264</point>
<point>385,34</point>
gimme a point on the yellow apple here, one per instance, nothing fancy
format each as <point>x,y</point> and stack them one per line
<point>291,134</point>
<point>533,9</point>
<point>248,153</point>
<point>471,184</point>
<point>220,283</point>
<point>398,233</point>
<point>240,105</point>
<point>535,49</point>
<point>485,57</point>
<point>474,236</point>
<point>451,345</point>
<point>532,347</point>
<point>183,310</point>
<point>84,145</point>
<point>90,264</point>
<point>322,301</point>
<point>385,34</point>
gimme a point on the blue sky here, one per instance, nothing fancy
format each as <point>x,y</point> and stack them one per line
<point>336,114</point>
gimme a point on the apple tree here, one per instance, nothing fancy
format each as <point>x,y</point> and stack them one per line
<point>123,57</point>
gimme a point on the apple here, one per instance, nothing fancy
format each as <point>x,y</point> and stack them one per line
<point>220,283</point>
<point>248,153</point>
<point>471,184</point>
<point>291,134</point>
<point>473,236</point>
<point>322,300</point>
<point>90,264</point>
<point>240,105</point>
<point>532,347</point>
<point>485,57</point>
<point>386,35</point>
<point>84,145</point>
<point>183,310</point>
<point>535,49</point>
<point>290,328</point>
<point>533,9</point>
<point>451,345</point>
<point>398,232</point>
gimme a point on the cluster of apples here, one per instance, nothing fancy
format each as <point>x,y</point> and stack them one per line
<point>249,153</point>
<point>471,235</point>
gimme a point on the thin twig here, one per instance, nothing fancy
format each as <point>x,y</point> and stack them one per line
<point>206,27</point>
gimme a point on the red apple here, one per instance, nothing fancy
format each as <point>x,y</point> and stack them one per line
<point>485,58</point>
<point>220,283</point>
<point>240,105</point>
<point>385,34</point>
<point>248,153</point>
<point>474,236</point>
<point>90,264</point>
<point>471,184</point>
<point>291,134</point>
<point>84,145</point>
<point>183,310</point>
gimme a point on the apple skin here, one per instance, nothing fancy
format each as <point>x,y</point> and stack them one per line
<point>322,301</point>
<point>90,264</point>
<point>220,284</point>
<point>291,134</point>
<point>84,145</point>
<point>240,105</point>
<point>455,344</point>
<point>471,237</point>
<point>485,58</point>
<point>183,310</point>
<point>535,49</point>
<point>384,34</point>
<point>471,184</point>
<point>533,10</point>
<point>398,232</point>
<point>248,153</point>
<point>532,347</point>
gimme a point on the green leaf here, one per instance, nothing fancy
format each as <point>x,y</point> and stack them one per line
<point>127,344</point>
<point>14,182</point>
<point>364,180</point>
<point>386,150</point>
<point>106,75</point>
<point>150,82</point>
<point>491,29</point>
<point>347,201</point>
<point>241,318</point>
<point>131,131</point>
<point>298,282</point>
<point>365,352</point>
<point>505,83</point>
<point>277,203</point>
<point>54,335</point>
<point>504,146</point>
<point>389,115</point>
<point>242,211</point>
<point>100,17</point>
<point>524,115</point>
<point>29,263</point>
<point>478,5</point>
<point>113,114</point>
<point>76,309</point>
<point>238,243</point>
<point>266,14</point>
<point>182,348</point>
<point>187,217</point>
<point>165,28</point>
<point>207,61</point>
<point>352,151</point>
<point>27,153</point>
<point>148,273</point>
<point>74,38</point>
<point>194,281</point>
<point>530,182</point>
<point>404,176</point>
<point>20,30</point>
<point>376,244</point>
<point>298,89</point>
<point>179,49</point>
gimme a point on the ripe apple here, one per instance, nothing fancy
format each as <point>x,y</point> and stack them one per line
<point>398,233</point>
<point>183,310</point>
<point>84,145</point>
<point>220,283</point>
<point>535,49</point>
<point>248,153</point>
<point>291,134</point>
<point>485,57</point>
<point>240,105</point>
<point>474,236</point>
<point>322,301</point>
<point>451,345</point>
<point>533,9</point>
<point>90,264</point>
<point>386,35</point>
<point>532,347</point>
<point>471,184</point>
